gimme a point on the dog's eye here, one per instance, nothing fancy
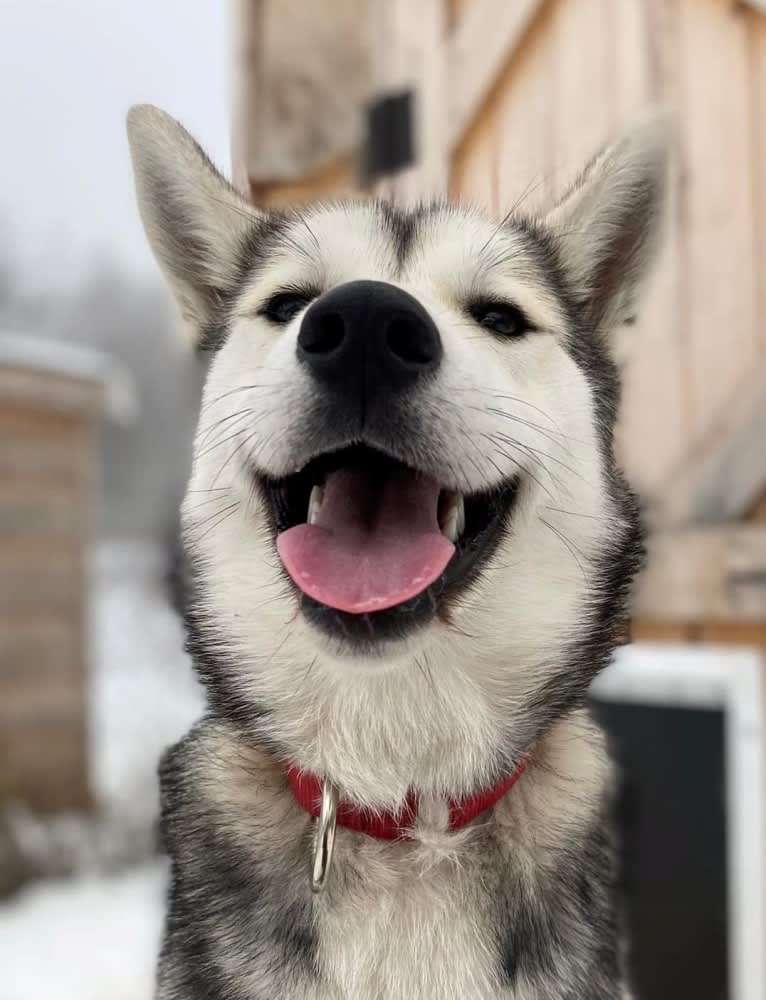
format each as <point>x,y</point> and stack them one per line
<point>501,318</point>
<point>284,306</point>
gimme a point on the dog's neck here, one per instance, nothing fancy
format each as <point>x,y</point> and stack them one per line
<point>393,731</point>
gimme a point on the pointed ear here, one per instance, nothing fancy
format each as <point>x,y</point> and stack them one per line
<point>610,224</point>
<point>195,221</point>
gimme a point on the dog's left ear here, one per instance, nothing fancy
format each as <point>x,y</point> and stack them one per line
<point>610,224</point>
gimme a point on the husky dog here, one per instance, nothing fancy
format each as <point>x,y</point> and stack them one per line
<point>411,552</point>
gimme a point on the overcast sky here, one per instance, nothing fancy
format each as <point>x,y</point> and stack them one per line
<point>69,69</point>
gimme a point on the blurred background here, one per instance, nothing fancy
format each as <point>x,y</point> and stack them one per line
<point>494,102</point>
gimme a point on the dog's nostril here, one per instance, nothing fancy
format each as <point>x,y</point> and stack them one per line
<point>325,336</point>
<point>406,342</point>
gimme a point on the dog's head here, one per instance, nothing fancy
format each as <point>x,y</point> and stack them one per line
<point>411,543</point>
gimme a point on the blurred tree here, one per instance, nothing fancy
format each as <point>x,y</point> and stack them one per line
<point>6,269</point>
<point>143,466</point>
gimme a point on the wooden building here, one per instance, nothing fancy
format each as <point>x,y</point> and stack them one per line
<point>506,101</point>
<point>52,398</point>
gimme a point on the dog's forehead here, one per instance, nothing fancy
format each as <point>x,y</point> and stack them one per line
<point>453,250</point>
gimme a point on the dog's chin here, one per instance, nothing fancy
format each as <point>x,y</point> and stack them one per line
<point>375,551</point>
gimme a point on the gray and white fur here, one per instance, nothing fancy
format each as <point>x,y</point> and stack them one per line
<point>522,903</point>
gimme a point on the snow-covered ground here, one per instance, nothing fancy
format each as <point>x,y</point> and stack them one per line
<point>143,693</point>
<point>94,935</point>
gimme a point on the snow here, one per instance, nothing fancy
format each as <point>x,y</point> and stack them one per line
<point>143,697</point>
<point>77,361</point>
<point>90,938</point>
<point>143,693</point>
<point>94,935</point>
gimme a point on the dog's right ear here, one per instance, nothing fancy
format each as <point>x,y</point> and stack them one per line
<point>195,221</point>
<point>611,223</point>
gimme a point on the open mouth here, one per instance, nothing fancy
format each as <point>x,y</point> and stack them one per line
<point>373,544</point>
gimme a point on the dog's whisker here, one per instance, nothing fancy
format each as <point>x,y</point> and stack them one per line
<point>245,444</point>
<point>251,387</point>
<point>523,468</point>
<point>531,449</point>
<point>207,432</point>
<point>575,513</point>
<point>569,545</point>
<point>220,443</point>
<point>217,519</point>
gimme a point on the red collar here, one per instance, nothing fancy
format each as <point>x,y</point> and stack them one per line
<point>307,789</point>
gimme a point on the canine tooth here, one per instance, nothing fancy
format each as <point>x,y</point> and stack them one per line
<point>460,508</point>
<point>453,523</point>
<point>449,527</point>
<point>315,503</point>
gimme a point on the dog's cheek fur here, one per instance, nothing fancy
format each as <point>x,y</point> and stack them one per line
<point>253,394</point>
<point>541,619</point>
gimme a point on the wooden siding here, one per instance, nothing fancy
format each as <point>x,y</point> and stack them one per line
<point>332,181</point>
<point>696,575</point>
<point>45,465</point>
<point>715,633</point>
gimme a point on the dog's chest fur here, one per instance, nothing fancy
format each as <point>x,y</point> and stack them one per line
<point>518,905</point>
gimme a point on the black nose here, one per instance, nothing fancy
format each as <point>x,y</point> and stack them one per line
<point>368,335</point>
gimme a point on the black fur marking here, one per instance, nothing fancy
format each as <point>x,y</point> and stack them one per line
<point>254,250</point>
<point>604,614</point>
<point>403,226</point>
<point>605,603</point>
<point>226,911</point>
<point>563,922</point>
<point>217,673</point>
<point>585,344</point>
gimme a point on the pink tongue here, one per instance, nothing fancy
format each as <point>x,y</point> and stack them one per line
<point>373,545</point>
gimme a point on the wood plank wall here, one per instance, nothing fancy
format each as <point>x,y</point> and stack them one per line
<point>583,71</point>
<point>45,469</point>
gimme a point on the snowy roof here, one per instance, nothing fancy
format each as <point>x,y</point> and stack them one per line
<point>75,361</point>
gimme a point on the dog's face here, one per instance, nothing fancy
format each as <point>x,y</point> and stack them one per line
<point>404,514</point>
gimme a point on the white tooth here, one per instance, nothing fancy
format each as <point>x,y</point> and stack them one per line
<point>460,508</point>
<point>315,504</point>
<point>453,524</point>
<point>449,527</point>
